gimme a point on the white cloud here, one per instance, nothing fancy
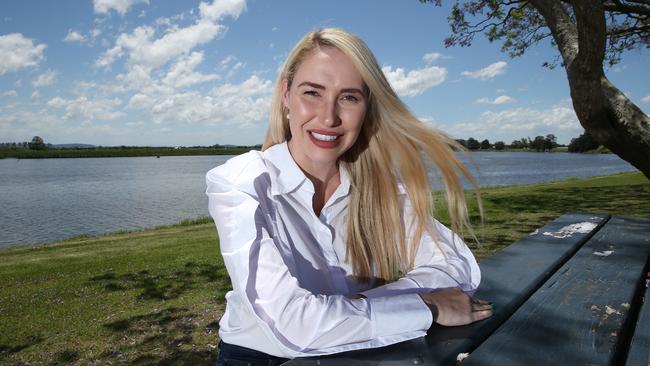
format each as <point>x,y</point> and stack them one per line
<point>234,69</point>
<point>488,72</point>
<point>432,57</point>
<point>516,123</point>
<point>646,99</point>
<point>416,81</point>
<point>88,109</point>
<point>35,95</point>
<point>10,93</point>
<point>501,99</point>
<point>44,79</point>
<point>149,52</point>
<point>56,102</point>
<point>18,52</point>
<point>226,61</point>
<point>143,48</point>
<point>16,122</point>
<point>74,36</point>
<point>120,6</point>
<point>243,104</point>
<point>182,73</point>
<point>219,9</point>
<point>161,67</point>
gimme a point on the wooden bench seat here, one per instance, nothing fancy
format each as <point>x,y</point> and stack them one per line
<point>569,293</point>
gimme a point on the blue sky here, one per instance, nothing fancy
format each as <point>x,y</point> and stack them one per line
<point>184,73</point>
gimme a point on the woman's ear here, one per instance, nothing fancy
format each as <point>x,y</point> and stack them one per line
<point>285,93</point>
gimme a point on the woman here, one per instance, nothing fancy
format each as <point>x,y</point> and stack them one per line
<point>326,233</point>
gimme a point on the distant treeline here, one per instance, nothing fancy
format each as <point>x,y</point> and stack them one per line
<point>121,151</point>
<point>579,144</point>
<point>37,148</point>
<point>539,143</point>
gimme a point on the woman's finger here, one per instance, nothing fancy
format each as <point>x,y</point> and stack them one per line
<point>479,301</point>
<point>481,307</point>
<point>480,315</point>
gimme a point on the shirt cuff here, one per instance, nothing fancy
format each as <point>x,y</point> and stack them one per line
<point>399,314</point>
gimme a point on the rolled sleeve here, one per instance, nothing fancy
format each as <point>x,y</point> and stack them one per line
<point>399,314</point>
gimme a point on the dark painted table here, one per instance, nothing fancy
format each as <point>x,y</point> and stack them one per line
<point>569,293</point>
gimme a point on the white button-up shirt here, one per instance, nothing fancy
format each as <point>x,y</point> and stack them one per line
<point>289,271</point>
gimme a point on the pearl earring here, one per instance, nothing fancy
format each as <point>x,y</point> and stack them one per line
<point>288,116</point>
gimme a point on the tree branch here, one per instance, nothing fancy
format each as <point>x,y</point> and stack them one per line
<point>631,30</point>
<point>590,19</point>
<point>626,8</point>
<point>646,2</point>
<point>564,30</point>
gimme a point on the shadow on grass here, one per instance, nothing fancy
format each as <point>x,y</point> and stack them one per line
<point>6,350</point>
<point>162,337</point>
<point>64,357</point>
<point>166,286</point>
<point>611,200</point>
<point>167,335</point>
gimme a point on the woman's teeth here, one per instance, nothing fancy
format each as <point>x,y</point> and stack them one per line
<point>320,137</point>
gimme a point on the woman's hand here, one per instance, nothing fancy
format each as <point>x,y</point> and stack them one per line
<point>451,307</point>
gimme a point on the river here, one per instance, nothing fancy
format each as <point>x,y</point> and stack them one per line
<point>44,200</point>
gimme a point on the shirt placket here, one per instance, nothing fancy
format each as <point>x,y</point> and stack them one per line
<point>337,272</point>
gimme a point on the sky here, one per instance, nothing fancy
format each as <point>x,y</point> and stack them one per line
<point>187,73</point>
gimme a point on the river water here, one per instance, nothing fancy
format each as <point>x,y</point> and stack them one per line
<point>44,200</point>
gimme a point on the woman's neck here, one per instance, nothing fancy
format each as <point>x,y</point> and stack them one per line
<point>324,177</point>
<point>324,188</point>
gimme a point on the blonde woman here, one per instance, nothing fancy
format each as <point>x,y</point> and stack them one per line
<point>326,233</point>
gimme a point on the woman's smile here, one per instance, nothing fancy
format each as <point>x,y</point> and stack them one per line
<point>325,140</point>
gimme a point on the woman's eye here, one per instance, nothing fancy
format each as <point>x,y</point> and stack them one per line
<point>350,98</point>
<point>311,92</point>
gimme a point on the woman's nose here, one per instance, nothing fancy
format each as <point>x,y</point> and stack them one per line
<point>330,114</point>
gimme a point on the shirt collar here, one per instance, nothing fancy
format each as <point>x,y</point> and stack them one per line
<point>286,175</point>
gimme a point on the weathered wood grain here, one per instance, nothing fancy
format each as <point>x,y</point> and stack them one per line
<point>581,315</point>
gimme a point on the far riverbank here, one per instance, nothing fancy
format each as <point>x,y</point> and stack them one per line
<point>113,152</point>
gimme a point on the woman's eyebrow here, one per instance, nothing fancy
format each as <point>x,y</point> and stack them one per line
<point>312,84</point>
<point>319,86</point>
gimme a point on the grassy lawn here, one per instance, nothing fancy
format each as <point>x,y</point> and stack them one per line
<point>154,297</point>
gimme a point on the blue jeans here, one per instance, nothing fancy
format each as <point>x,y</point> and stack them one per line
<point>232,355</point>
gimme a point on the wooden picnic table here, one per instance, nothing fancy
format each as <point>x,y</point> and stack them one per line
<point>570,293</point>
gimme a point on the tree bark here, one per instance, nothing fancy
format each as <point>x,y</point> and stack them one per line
<point>603,110</point>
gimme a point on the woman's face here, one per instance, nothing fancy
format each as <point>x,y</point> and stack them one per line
<point>327,105</point>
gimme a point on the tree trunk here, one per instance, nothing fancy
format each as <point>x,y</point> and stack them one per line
<point>604,111</point>
<point>616,122</point>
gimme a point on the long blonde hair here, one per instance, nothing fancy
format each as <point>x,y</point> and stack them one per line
<point>391,148</point>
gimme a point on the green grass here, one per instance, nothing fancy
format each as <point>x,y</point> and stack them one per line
<point>154,297</point>
<point>150,297</point>
<point>511,212</point>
